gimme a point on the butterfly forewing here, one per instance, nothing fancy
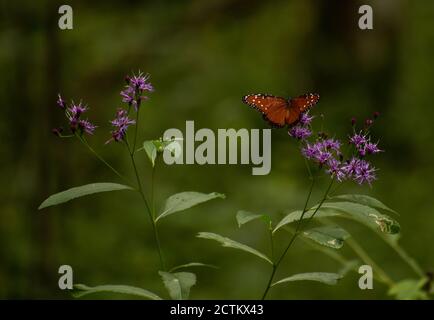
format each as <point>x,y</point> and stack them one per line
<point>274,109</point>
<point>304,102</point>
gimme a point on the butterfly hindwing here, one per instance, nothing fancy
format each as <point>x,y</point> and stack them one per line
<point>274,109</point>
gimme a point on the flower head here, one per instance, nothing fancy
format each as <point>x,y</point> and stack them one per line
<point>358,140</point>
<point>86,126</point>
<point>372,148</point>
<point>334,168</point>
<point>76,110</point>
<point>121,124</point>
<point>332,144</point>
<point>136,86</point>
<point>305,119</point>
<point>300,133</point>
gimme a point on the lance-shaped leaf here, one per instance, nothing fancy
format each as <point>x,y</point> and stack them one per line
<point>296,216</point>
<point>329,236</point>
<point>229,243</point>
<point>365,200</point>
<point>323,277</point>
<point>178,284</point>
<point>366,215</point>
<point>151,151</point>
<point>81,191</point>
<point>81,290</point>
<point>185,200</point>
<point>363,214</point>
<point>244,217</point>
<point>193,264</point>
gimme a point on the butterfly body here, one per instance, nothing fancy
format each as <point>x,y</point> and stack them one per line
<point>280,111</point>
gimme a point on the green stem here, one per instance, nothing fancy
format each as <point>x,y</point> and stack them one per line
<point>83,140</point>
<point>276,264</point>
<point>148,208</point>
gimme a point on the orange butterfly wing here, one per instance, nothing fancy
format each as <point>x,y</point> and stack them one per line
<point>274,109</point>
<point>279,111</point>
<point>299,105</point>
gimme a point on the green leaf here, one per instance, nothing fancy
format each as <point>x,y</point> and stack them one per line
<point>153,147</point>
<point>229,243</point>
<point>81,191</point>
<point>363,214</point>
<point>324,277</point>
<point>178,284</point>
<point>409,289</point>
<point>193,264</point>
<point>296,215</point>
<point>151,151</point>
<point>329,236</point>
<point>365,200</point>
<point>244,216</point>
<point>81,290</point>
<point>366,215</point>
<point>184,200</point>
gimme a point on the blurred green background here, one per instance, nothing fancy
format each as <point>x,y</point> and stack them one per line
<point>203,56</point>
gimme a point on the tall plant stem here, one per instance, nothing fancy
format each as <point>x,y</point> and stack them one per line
<point>296,233</point>
<point>142,195</point>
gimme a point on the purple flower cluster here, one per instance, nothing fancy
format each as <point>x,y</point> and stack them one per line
<point>76,123</point>
<point>301,130</point>
<point>363,144</point>
<point>133,94</point>
<point>121,124</point>
<point>74,114</point>
<point>327,153</point>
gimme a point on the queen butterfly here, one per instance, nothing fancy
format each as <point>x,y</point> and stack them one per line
<point>279,111</point>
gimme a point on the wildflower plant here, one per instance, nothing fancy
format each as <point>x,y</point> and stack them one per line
<point>125,128</point>
<point>341,162</point>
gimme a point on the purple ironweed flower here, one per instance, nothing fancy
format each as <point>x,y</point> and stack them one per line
<point>60,102</point>
<point>86,126</point>
<point>335,170</point>
<point>372,148</point>
<point>300,133</point>
<point>133,92</point>
<point>316,152</point>
<point>73,114</point>
<point>376,114</point>
<point>76,110</point>
<point>121,123</point>
<point>139,82</point>
<point>365,173</point>
<point>351,166</point>
<point>305,119</point>
<point>332,144</point>
<point>358,140</point>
